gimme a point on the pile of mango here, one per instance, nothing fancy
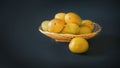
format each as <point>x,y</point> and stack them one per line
<point>67,23</point>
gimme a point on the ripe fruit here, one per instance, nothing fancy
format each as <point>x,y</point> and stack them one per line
<point>60,16</point>
<point>44,25</point>
<point>73,18</point>
<point>78,45</point>
<point>55,25</point>
<point>84,29</point>
<point>89,23</point>
<point>71,28</point>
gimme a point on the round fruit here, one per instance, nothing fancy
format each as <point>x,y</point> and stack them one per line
<point>71,28</point>
<point>60,16</point>
<point>84,29</point>
<point>89,23</point>
<point>44,25</point>
<point>73,18</point>
<point>55,25</point>
<point>78,45</point>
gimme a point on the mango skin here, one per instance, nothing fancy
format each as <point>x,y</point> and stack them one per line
<point>70,28</point>
<point>88,23</point>
<point>78,45</point>
<point>60,15</point>
<point>56,25</point>
<point>73,18</point>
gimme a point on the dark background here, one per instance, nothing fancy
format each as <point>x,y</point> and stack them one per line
<point>23,46</point>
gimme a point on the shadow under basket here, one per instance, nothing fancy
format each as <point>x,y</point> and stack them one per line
<point>68,37</point>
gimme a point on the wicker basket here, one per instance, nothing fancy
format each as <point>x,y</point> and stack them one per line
<point>67,37</point>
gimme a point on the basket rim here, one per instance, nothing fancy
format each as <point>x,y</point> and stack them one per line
<point>97,31</point>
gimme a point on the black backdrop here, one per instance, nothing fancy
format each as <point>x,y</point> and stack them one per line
<point>23,46</point>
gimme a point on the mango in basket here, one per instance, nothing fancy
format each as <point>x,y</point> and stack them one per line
<point>44,25</point>
<point>84,29</point>
<point>78,45</point>
<point>88,23</point>
<point>71,28</point>
<point>60,16</point>
<point>56,25</point>
<point>73,18</point>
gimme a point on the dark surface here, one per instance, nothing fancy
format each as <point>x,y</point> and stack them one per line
<point>23,46</point>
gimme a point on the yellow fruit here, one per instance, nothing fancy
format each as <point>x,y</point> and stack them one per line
<point>89,23</point>
<point>84,29</point>
<point>78,45</point>
<point>44,25</point>
<point>60,16</point>
<point>71,28</point>
<point>55,25</point>
<point>73,18</point>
